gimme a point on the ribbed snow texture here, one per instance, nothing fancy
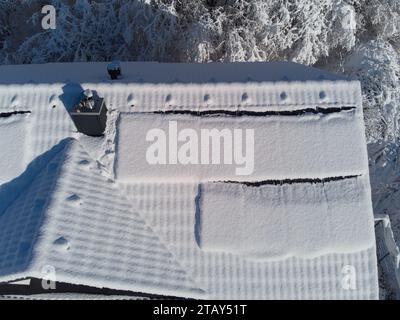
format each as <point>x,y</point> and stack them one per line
<point>170,209</point>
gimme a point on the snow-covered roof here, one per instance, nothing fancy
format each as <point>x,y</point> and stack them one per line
<point>167,73</point>
<point>306,206</point>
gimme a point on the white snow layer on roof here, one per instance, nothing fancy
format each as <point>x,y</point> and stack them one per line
<point>12,133</point>
<point>285,147</point>
<point>170,210</point>
<point>275,221</point>
<point>169,73</point>
<point>72,218</point>
<point>62,209</point>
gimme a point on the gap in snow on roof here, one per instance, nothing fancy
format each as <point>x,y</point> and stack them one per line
<point>240,113</point>
<point>287,181</point>
<point>9,114</point>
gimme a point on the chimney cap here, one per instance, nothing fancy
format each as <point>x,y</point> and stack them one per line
<point>88,94</point>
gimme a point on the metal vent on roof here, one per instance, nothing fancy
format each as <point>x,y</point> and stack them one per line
<point>114,70</point>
